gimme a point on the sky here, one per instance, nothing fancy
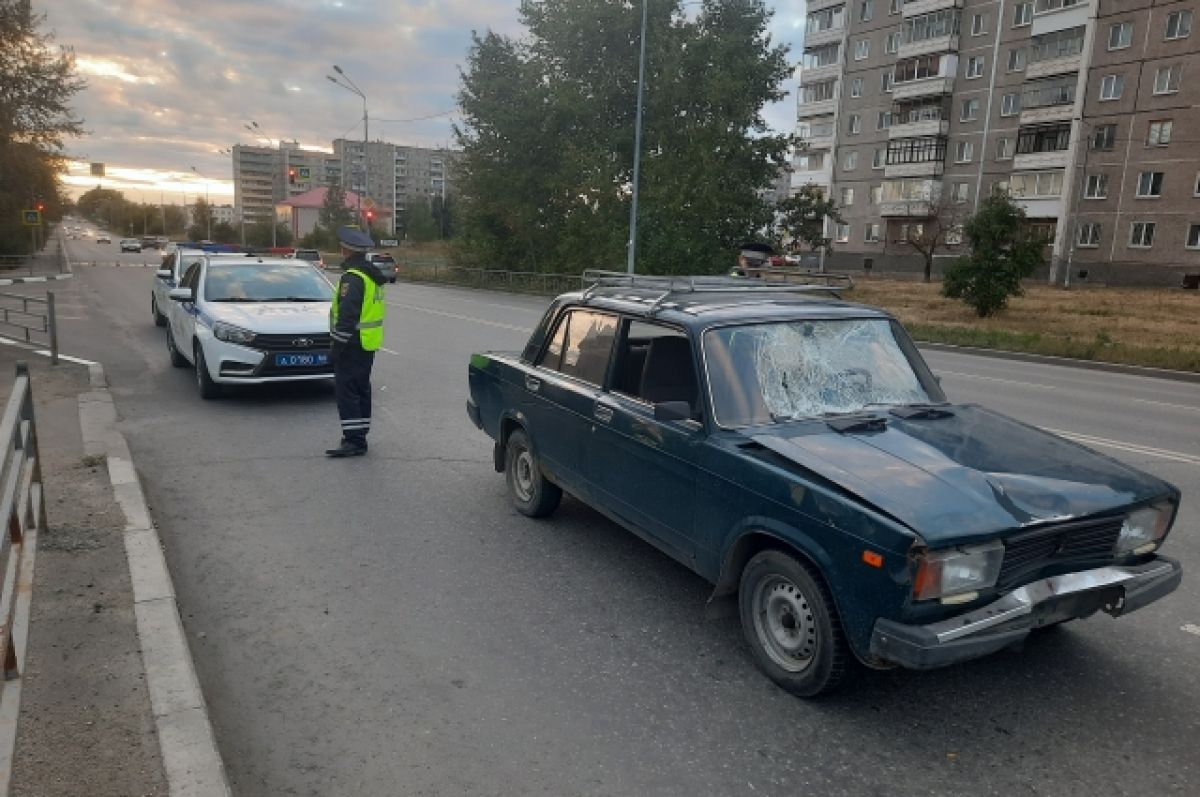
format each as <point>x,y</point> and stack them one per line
<point>171,84</point>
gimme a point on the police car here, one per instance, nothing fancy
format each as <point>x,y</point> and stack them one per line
<point>249,321</point>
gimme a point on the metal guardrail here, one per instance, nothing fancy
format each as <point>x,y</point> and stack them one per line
<point>23,508</point>
<point>29,322</point>
<point>494,279</point>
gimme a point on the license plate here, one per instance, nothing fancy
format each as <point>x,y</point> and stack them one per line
<point>301,360</point>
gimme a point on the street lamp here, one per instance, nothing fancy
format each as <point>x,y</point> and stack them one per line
<point>345,82</point>
<point>631,250</point>
<point>207,206</point>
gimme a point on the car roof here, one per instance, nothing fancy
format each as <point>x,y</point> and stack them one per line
<point>226,258</point>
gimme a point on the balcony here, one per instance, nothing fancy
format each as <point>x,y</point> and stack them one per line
<point>937,44</point>
<point>1062,65</point>
<point>923,87</point>
<point>906,208</point>
<point>806,110</point>
<point>1050,113</point>
<point>815,38</point>
<point>1035,161</point>
<point>822,177</point>
<point>817,74</point>
<point>1049,17</point>
<point>926,169</point>
<point>820,5</point>
<point>925,127</point>
<point>915,8</point>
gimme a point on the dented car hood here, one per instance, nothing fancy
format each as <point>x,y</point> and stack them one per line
<point>965,477</point>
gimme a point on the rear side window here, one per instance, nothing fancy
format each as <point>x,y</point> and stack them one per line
<point>581,346</point>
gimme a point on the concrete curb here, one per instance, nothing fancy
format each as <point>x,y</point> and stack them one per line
<point>28,280</point>
<point>190,756</point>
<point>1046,359</point>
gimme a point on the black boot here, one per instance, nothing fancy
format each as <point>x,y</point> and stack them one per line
<point>348,448</point>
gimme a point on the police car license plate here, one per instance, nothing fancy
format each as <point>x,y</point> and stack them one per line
<point>301,360</point>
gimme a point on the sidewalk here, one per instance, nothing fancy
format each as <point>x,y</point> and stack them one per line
<point>86,725</point>
<point>45,266</point>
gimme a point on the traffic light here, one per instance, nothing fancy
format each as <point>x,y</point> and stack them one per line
<point>292,176</point>
<point>370,217</point>
<point>41,206</point>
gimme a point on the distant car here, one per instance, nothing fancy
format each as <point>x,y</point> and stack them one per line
<point>310,255</point>
<point>248,320</point>
<point>385,263</point>
<point>103,239</point>
<point>131,245</point>
<point>149,242</point>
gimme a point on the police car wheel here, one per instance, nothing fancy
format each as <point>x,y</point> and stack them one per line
<point>160,320</point>
<point>204,383</point>
<point>531,492</point>
<point>177,359</point>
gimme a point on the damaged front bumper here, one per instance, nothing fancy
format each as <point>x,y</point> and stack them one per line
<point>1117,589</point>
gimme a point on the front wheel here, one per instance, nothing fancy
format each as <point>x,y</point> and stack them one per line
<point>204,381</point>
<point>791,623</point>
<point>160,320</point>
<point>531,492</point>
<point>177,359</point>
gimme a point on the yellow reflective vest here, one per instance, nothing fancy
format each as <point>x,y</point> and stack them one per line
<point>370,316</point>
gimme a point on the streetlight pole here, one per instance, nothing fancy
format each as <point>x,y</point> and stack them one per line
<point>345,82</point>
<point>631,249</point>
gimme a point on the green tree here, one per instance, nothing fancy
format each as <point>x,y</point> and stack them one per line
<point>223,232</point>
<point>202,221</point>
<point>801,217</point>
<point>334,213</point>
<point>1003,252</point>
<point>37,83</point>
<point>548,136</point>
<point>420,225</point>
<point>443,210</point>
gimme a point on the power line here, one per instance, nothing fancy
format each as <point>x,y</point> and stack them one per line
<point>418,118</point>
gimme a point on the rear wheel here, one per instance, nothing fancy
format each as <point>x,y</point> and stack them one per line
<point>177,359</point>
<point>791,623</point>
<point>531,492</point>
<point>204,382</point>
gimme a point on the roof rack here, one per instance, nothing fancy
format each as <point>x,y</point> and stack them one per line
<point>793,281</point>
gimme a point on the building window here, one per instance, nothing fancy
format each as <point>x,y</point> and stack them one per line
<point>1004,149</point>
<point>1166,79</point>
<point>1111,87</point>
<point>854,124</point>
<point>1104,137</point>
<point>999,187</point>
<point>876,194</point>
<point>1179,24</point>
<point>862,49</point>
<point>1196,185</point>
<point>919,68</point>
<point>978,24</point>
<point>842,233</point>
<point>878,159</point>
<point>1089,234</point>
<point>866,10</point>
<point>1149,185</point>
<point>975,66</point>
<point>1036,185</point>
<point>850,163</point>
<point>927,149</point>
<point>1022,14</point>
<point>817,57</point>
<point>1058,44</point>
<point>895,6</point>
<point>1141,234</point>
<point>934,25</point>
<point>884,121</point>
<point>1097,186</point>
<point>1120,35</point>
<point>819,92</point>
<point>1044,138</point>
<point>871,235</point>
<point>856,86</point>
<point>847,197</point>
<point>962,192</point>
<point>1160,134</point>
<point>885,81</point>
<point>892,43</point>
<point>963,152</point>
<point>970,110</point>
<point>1016,59</point>
<point>1010,104</point>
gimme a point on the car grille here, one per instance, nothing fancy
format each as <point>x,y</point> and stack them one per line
<point>317,341</point>
<point>1076,541</point>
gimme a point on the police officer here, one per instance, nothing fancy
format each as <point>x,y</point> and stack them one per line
<point>356,326</point>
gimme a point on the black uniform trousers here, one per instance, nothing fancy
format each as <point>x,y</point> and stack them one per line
<point>352,387</point>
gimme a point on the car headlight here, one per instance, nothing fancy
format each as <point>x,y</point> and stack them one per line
<point>231,334</point>
<point>957,573</point>
<point>1143,530</point>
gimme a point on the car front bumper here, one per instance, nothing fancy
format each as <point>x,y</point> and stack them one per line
<point>1117,589</point>
<point>234,364</point>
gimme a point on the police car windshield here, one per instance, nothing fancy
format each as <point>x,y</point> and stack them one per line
<point>262,282</point>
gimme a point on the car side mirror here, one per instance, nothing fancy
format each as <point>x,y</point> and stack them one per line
<point>672,411</point>
<point>163,273</point>
<point>181,295</point>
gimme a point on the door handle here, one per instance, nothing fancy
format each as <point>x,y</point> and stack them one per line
<point>532,384</point>
<point>602,413</point>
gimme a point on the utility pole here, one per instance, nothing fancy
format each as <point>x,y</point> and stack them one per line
<point>345,82</point>
<point>631,250</point>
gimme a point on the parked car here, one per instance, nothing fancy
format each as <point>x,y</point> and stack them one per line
<point>796,451</point>
<point>240,320</point>
<point>385,263</point>
<point>311,256</point>
<point>131,245</point>
<point>149,242</point>
<point>169,275</point>
<point>103,239</point>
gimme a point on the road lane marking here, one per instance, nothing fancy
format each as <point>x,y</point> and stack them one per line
<point>1166,404</point>
<point>939,372</point>
<point>1190,628</point>
<point>454,296</point>
<point>459,317</point>
<point>1161,453</point>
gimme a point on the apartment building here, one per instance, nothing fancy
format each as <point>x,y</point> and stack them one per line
<point>913,110</point>
<point>1136,203</point>
<point>265,176</point>
<point>396,175</point>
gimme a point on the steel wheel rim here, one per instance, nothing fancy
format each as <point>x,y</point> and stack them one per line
<point>784,624</point>
<point>523,470</point>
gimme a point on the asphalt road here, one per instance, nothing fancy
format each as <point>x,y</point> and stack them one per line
<point>388,625</point>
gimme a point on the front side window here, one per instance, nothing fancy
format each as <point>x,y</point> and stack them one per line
<point>654,364</point>
<point>1179,24</point>
<point>581,346</point>
<point>1141,234</point>
<point>1150,184</point>
<point>808,369</point>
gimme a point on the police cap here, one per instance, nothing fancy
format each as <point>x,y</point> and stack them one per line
<point>354,239</point>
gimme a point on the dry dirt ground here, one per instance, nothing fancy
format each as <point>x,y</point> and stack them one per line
<point>85,726</point>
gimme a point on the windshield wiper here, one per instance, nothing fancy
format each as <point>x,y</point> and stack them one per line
<point>921,412</point>
<point>293,299</point>
<point>235,299</point>
<point>857,423</point>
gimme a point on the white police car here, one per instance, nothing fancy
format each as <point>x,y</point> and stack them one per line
<point>250,321</point>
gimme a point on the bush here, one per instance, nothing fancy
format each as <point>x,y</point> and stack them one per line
<point>1003,252</point>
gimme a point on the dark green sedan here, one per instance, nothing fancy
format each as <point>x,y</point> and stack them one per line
<point>796,451</point>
